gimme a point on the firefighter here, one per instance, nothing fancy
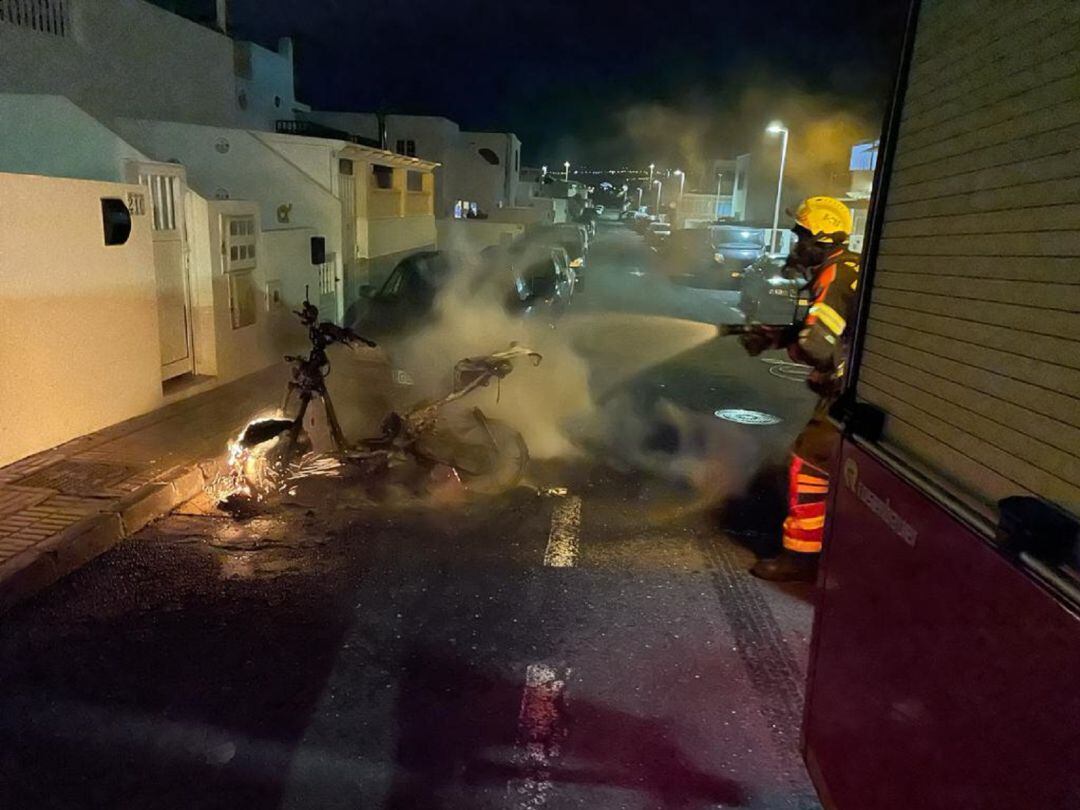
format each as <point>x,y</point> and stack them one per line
<point>820,254</point>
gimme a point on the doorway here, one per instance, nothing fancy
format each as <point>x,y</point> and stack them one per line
<point>165,185</point>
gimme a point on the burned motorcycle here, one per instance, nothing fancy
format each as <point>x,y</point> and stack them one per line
<point>486,455</point>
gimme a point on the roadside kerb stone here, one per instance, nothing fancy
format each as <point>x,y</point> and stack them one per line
<point>46,562</point>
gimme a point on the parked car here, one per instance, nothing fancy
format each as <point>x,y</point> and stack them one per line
<point>686,257</point>
<point>405,299</point>
<point>657,232</point>
<point>641,222</point>
<point>570,235</point>
<point>532,276</point>
<point>588,220</point>
<point>735,246</point>
<point>769,295</point>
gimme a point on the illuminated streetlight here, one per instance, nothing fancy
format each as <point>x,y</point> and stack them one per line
<point>640,190</point>
<point>777,128</point>
<point>652,168</point>
<point>566,171</point>
<point>659,189</point>
<point>543,171</point>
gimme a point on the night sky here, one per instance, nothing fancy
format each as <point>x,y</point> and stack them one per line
<point>592,82</point>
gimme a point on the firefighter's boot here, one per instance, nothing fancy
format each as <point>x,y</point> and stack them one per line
<point>789,566</point>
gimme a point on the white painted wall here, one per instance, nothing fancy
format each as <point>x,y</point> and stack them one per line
<point>472,235</point>
<point>272,171</point>
<point>130,58</point>
<point>78,336</point>
<point>50,135</point>
<point>463,175</point>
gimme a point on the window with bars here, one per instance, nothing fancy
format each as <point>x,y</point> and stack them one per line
<point>162,190</point>
<point>240,237</point>
<point>46,16</point>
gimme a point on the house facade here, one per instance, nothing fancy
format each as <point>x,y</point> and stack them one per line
<point>478,170</point>
<point>225,226</point>
<point>116,58</point>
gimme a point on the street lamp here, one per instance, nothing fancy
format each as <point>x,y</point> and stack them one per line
<point>678,204</point>
<point>777,128</point>
<point>719,183</point>
<point>652,168</point>
<point>659,189</point>
<point>640,190</point>
<point>543,171</point>
<point>566,171</point>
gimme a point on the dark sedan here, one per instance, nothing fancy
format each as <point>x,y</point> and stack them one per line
<point>770,295</point>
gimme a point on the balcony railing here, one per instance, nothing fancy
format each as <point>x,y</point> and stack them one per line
<point>46,16</point>
<point>417,203</point>
<point>383,203</point>
<point>313,129</point>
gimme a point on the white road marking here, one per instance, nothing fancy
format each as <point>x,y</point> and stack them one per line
<point>540,733</point>
<point>562,546</point>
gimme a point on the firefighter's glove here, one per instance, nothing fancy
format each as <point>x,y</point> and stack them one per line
<point>757,340</point>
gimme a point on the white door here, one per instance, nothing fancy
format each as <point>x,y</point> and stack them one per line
<point>165,185</point>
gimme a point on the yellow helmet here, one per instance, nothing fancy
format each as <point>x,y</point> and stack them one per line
<point>828,219</point>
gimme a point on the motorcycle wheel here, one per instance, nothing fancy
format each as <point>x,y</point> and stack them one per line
<point>507,457</point>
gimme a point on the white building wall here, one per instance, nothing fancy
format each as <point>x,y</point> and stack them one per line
<point>276,172</point>
<point>129,58</point>
<point>79,334</point>
<point>49,135</point>
<point>436,140</point>
<point>491,186</point>
<point>463,174</point>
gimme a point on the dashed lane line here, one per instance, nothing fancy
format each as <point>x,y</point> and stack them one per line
<point>541,729</point>
<point>562,546</point>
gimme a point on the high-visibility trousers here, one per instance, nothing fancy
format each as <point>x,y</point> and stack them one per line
<point>808,483</point>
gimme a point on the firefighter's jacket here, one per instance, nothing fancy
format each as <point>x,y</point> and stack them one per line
<point>823,338</point>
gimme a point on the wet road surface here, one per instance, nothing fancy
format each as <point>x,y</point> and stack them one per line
<point>602,648</point>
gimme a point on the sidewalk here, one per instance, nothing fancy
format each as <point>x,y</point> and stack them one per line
<point>63,507</point>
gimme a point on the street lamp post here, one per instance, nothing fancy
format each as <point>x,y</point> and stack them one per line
<point>659,190</point>
<point>719,183</point>
<point>566,171</point>
<point>776,128</point>
<point>543,171</point>
<point>640,190</point>
<point>652,168</point>
<point>678,203</point>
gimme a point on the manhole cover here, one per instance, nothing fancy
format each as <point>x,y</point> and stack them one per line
<point>744,417</point>
<point>75,477</point>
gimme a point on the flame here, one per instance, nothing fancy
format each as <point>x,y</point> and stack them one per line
<point>255,473</point>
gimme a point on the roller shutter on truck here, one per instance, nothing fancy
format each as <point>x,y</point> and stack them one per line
<point>972,333</point>
<point>946,643</point>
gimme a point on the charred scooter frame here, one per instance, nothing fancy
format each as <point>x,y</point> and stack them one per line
<point>487,454</point>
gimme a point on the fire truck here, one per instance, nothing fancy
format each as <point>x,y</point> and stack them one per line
<point>945,660</point>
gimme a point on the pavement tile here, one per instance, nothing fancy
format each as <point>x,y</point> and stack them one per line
<point>15,500</point>
<point>49,500</point>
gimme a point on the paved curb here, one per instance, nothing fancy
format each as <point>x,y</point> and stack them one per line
<point>40,566</point>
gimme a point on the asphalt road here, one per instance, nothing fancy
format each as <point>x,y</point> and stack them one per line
<point>598,647</point>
